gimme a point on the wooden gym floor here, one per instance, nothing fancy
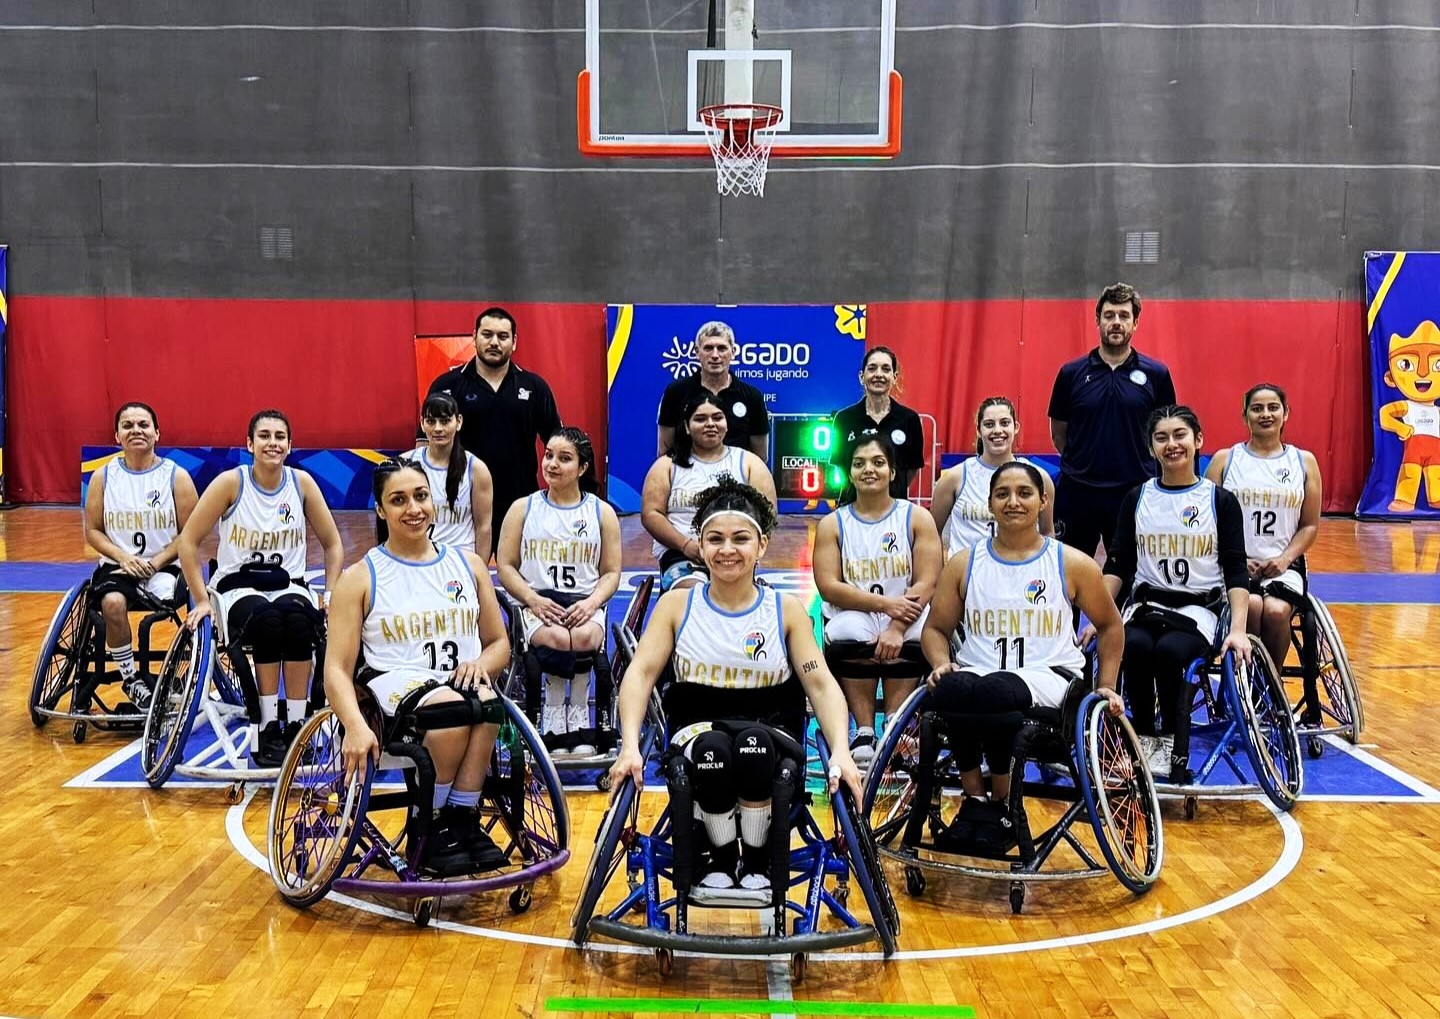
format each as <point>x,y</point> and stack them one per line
<point>128,902</point>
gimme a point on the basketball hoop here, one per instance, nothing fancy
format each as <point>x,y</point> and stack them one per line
<point>741,136</point>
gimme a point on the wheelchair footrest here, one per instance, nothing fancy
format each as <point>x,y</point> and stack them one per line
<point>720,944</point>
<point>731,898</point>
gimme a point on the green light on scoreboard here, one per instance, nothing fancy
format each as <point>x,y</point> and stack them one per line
<point>822,439</point>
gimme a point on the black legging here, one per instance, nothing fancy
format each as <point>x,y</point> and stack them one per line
<point>982,714</point>
<point>282,630</point>
<point>1157,653</point>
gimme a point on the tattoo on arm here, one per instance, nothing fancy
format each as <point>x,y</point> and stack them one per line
<point>810,666</point>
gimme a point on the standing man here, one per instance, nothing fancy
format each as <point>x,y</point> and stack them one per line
<point>503,408</point>
<point>747,419</point>
<point>1098,411</point>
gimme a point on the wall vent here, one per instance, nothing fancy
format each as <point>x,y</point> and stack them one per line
<point>277,243</point>
<point>1142,247</point>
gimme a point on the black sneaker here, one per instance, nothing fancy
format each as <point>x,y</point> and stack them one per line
<point>994,831</point>
<point>484,853</point>
<point>1180,771</point>
<point>138,689</point>
<point>959,835</point>
<point>720,865</point>
<point>754,867</point>
<point>445,854</point>
<point>270,748</point>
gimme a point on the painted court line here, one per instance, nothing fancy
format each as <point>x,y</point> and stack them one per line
<point>729,1006</point>
<point>1426,793</point>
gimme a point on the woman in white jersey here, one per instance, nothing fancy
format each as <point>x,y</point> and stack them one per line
<point>262,511</point>
<point>559,557</point>
<point>426,619</point>
<point>961,506</point>
<point>1013,597</point>
<point>876,563</point>
<point>1179,548</point>
<point>459,481</point>
<point>742,655</point>
<point>1279,491</point>
<point>698,459</point>
<point>134,510</point>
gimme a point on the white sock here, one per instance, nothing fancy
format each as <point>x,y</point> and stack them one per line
<point>296,709</point>
<point>555,692</point>
<point>865,730</point>
<point>124,658</point>
<point>467,798</point>
<point>755,825</point>
<point>720,827</point>
<point>269,709</point>
<point>442,794</point>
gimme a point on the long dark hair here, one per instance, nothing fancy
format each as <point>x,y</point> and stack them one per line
<point>383,470</point>
<point>849,494</point>
<point>986,404</point>
<point>729,494</point>
<point>441,406</point>
<point>585,451</point>
<point>684,446</point>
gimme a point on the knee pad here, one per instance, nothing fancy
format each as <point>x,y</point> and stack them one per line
<point>298,636</point>
<point>710,760</point>
<point>265,634</point>
<point>754,764</point>
<point>554,662</point>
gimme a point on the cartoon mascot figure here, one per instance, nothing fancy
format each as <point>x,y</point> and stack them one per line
<point>1414,363</point>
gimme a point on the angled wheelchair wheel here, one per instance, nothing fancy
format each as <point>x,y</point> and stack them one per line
<point>179,689</point>
<point>524,789</point>
<point>865,868</point>
<point>890,783</point>
<point>62,655</point>
<point>1119,795</point>
<point>1340,693</point>
<point>1271,739</point>
<point>315,815</point>
<point>622,815</point>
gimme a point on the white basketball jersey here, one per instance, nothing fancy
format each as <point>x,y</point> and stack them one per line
<point>1176,538</point>
<point>686,484</point>
<point>1018,614</point>
<point>876,557</point>
<point>970,518</point>
<point>139,507</point>
<point>1271,491</point>
<point>1423,417</point>
<point>740,651</point>
<point>560,545</point>
<point>264,527</point>
<point>454,525</point>
<point>423,616</point>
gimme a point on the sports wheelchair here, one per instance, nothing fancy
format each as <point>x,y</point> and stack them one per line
<point>1229,709</point>
<point>209,670</point>
<point>823,864</point>
<point>853,659</point>
<point>1078,754</point>
<point>326,833</point>
<point>73,668</point>
<point>1328,701</point>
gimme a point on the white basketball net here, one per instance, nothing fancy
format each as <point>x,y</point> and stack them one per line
<point>741,138</point>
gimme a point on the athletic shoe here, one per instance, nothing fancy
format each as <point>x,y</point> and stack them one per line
<point>553,729</point>
<point>720,867</point>
<point>271,747</point>
<point>1157,750</point>
<point>862,748</point>
<point>994,831</point>
<point>755,867</point>
<point>445,854</point>
<point>140,692</point>
<point>959,835</point>
<point>484,853</point>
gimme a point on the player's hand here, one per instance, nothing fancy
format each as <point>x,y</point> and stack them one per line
<point>199,612</point>
<point>359,743</point>
<point>844,769</point>
<point>934,678</point>
<point>548,612</point>
<point>133,566</point>
<point>1239,643</point>
<point>628,764</point>
<point>1114,702</point>
<point>579,614</point>
<point>888,644</point>
<point>1252,567</point>
<point>469,676</point>
<point>902,609</point>
<point>1085,636</point>
<point>1272,568</point>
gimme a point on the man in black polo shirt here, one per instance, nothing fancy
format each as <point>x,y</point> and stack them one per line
<point>504,409</point>
<point>1098,411</point>
<point>747,420</point>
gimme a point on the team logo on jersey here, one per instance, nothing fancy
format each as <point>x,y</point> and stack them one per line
<point>755,646</point>
<point>1035,592</point>
<point>889,544</point>
<point>152,497</point>
<point>680,360</point>
<point>1190,516</point>
<point>1283,475</point>
<point>580,528</point>
<point>286,517</point>
<point>454,590</point>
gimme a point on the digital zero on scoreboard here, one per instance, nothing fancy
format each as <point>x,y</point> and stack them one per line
<point>801,445</point>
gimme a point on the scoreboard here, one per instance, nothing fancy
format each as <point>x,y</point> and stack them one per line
<point>800,448</point>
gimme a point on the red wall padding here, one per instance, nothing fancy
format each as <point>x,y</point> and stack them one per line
<point>345,370</point>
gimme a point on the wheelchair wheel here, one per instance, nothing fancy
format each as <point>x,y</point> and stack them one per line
<point>622,815</point>
<point>62,656</point>
<point>178,691</point>
<point>1337,679</point>
<point>1119,794</point>
<point>524,788</point>
<point>1271,740</point>
<point>865,868</point>
<point>890,785</point>
<point>315,814</point>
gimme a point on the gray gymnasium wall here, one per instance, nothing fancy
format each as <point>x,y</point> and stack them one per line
<point>1269,142</point>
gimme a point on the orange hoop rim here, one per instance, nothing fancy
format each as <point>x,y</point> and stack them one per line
<point>719,116</point>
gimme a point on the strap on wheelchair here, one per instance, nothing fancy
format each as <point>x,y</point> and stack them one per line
<point>605,734</point>
<point>1210,599</point>
<point>924,778</point>
<point>682,821</point>
<point>470,710</point>
<point>781,796</point>
<point>854,659</point>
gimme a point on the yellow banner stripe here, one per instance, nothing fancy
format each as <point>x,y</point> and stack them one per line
<point>1390,275</point>
<point>623,323</point>
<point>91,465</point>
<point>4,309</point>
<point>373,456</point>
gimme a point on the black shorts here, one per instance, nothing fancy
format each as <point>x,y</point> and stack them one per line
<point>109,577</point>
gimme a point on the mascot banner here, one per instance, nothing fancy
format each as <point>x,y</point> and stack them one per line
<point>1402,298</point>
<point>805,359</point>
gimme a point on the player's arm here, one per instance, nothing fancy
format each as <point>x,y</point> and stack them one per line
<point>656,645</point>
<point>345,616</point>
<point>183,491</point>
<point>317,515</point>
<point>494,641</point>
<point>829,577</point>
<point>925,557</point>
<point>947,608</point>
<point>758,476</point>
<point>216,499</point>
<point>942,503</point>
<point>654,501</point>
<point>95,535</point>
<point>1088,592</point>
<point>482,503</point>
<point>1215,472</point>
<point>822,691</point>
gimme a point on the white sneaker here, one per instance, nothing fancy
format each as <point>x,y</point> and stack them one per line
<point>862,747</point>
<point>1157,753</point>
<point>717,879</point>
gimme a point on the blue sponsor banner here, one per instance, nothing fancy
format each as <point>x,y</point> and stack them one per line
<point>1402,300</point>
<point>342,474</point>
<point>805,359</point>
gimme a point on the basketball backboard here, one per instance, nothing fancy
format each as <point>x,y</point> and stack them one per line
<point>651,67</point>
